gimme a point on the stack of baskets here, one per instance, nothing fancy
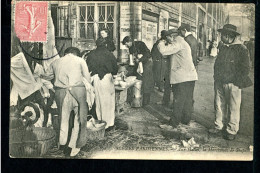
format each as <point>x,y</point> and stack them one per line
<point>31,143</point>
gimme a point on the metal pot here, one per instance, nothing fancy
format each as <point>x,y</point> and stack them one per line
<point>137,89</point>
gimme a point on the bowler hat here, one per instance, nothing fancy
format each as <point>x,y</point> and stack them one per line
<point>171,31</point>
<point>163,32</point>
<point>184,26</point>
<point>229,28</point>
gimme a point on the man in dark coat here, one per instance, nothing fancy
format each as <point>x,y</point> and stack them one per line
<point>251,48</point>
<point>143,55</point>
<point>231,71</point>
<point>161,67</point>
<point>159,64</point>
<point>185,30</point>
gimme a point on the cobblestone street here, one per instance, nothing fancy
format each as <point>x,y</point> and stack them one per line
<point>137,129</point>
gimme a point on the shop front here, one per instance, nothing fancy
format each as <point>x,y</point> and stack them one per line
<point>80,22</point>
<point>150,24</point>
<point>173,21</point>
<point>149,32</point>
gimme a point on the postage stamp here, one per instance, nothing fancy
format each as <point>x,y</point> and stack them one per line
<point>31,21</point>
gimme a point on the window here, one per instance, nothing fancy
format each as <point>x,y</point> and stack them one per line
<point>93,17</point>
<point>60,20</point>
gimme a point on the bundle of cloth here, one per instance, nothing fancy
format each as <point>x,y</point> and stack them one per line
<point>29,86</point>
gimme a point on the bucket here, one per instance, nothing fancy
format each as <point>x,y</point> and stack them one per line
<point>96,133</point>
<point>137,95</point>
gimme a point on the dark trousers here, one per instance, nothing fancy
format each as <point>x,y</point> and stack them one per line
<point>79,93</point>
<point>182,102</point>
<point>167,89</point>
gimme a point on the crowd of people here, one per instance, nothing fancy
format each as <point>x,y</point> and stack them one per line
<point>175,65</point>
<point>171,66</point>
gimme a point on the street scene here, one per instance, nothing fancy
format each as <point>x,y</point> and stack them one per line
<point>132,80</point>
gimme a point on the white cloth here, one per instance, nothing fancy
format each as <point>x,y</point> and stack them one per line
<point>214,52</point>
<point>105,99</point>
<point>140,68</point>
<point>24,83</point>
<point>49,48</point>
<point>90,93</point>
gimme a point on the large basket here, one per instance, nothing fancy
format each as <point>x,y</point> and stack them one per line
<point>96,133</point>
<point>31,143</point>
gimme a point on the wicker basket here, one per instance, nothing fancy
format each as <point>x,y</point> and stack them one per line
<point>31,143</point>
<point>96,133</point>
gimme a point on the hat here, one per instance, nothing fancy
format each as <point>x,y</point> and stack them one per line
<point>126,39</point>
<point>163,32</point>
<point>184,26</point>
<point>171,31</point>
<point>229,28</point>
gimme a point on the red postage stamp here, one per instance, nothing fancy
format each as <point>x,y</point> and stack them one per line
<point>31,21</point>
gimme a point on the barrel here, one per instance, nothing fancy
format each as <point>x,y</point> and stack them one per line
<point>137,95</point>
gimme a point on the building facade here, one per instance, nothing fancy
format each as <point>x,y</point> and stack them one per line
<point>77,23</point>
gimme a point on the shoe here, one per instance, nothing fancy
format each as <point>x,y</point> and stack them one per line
<point>74,152</point>
<point>111,128</point>
<point>166,127</point>
<point>229,136</point>
<point>161,90</point>
<point>214,131</point>
<point>167,108</point>
<point>159,103</point>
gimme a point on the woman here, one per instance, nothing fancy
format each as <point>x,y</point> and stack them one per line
<point>214,50</point>
<point>102,65</point>
<point>109,43</point>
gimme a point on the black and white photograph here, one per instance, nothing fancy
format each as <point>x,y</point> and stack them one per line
<point>132,80</point>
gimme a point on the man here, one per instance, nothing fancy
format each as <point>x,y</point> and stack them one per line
<point>251,48</point>
<point>143,56</point>
<point>161,68</point>
<point>182,76</point>
<point>185,31</point>
<point>159,64</point>
<point>68,73</point>
<point>231,71</point>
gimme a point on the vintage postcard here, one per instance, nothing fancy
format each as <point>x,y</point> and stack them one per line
<point>132,80</point>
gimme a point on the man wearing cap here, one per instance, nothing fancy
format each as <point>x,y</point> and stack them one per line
<point>182,76</point>
<point>231,71</point>
<point>192,41</point>
<point>143,56</point>
<point>161,71</point>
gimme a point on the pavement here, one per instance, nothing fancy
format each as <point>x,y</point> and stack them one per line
<point>147,120</point>
<point>138,135</point>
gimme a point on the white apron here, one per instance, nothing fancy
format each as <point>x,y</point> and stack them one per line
<point>105,99</point>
